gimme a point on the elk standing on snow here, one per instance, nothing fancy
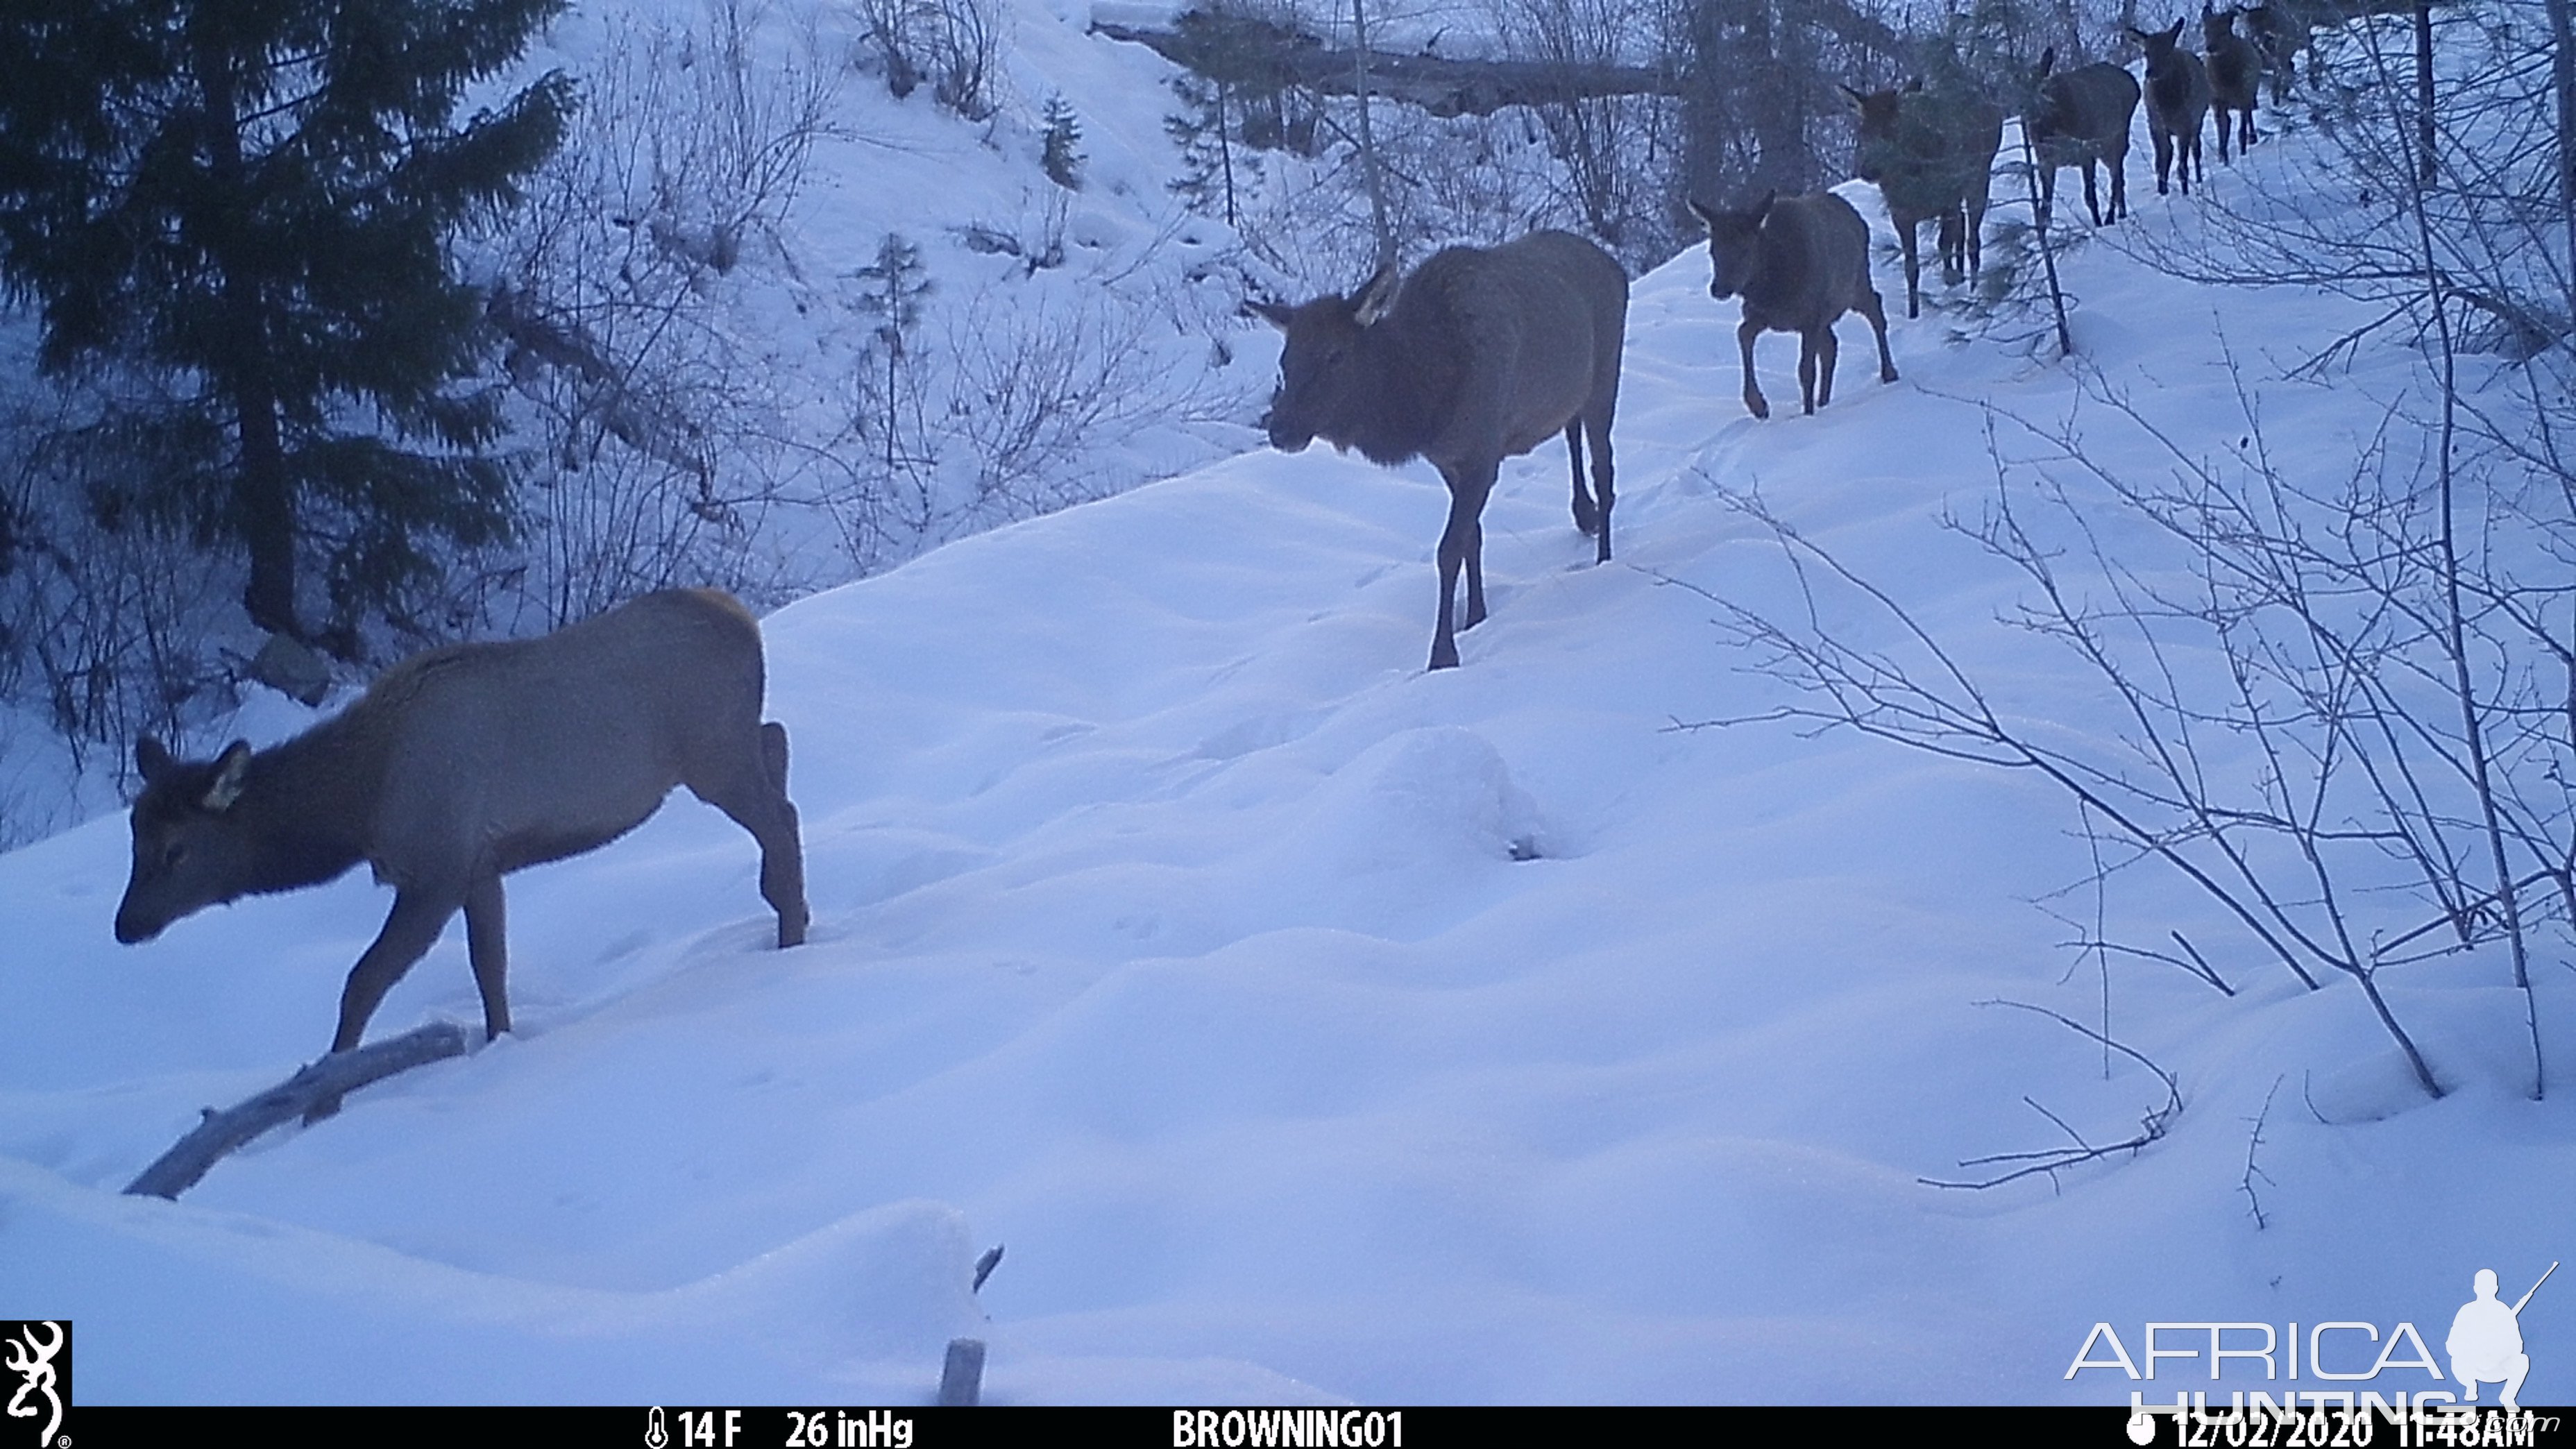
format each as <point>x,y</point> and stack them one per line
<point>2177,100</point>
<point>2235,72</point>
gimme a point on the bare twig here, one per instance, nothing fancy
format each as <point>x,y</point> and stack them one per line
<point>2152,1126</point>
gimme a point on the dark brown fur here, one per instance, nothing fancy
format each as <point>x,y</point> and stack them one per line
<point>1932,155</point>
<point>2177,93</point>
<point>1479,356</point>
<point>2235,74</point>
<point>1799,263</point>
<point>2082,118</point>
<point>466,763</point>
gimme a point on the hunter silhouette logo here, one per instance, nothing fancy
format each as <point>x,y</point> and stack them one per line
<point>32,1350</point>
<point>2486,1340</point>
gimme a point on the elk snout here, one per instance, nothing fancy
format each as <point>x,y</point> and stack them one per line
<point>1284,437</point>
<point>133,927</point>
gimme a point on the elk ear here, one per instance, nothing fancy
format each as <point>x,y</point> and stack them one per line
<point>1914,85</point>
<point>1375,298</point>
<point>2047,62</point>
<point>1764,209</point>
<point>151,761</point>
<point>1276,314</point>
<point>230,767</point>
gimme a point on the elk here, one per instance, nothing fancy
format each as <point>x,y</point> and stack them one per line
<point>2177,93</point>
<point>1478,356</point>
<point>465,763</point>
<point>1800,263</point>
<point>2282,29</point>
<point>2082,119</point>
<point>1932,155</point>
<point>2234,71</point>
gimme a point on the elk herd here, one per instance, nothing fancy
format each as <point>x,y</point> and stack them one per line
<point>463,764</point>
<point>1483,354</point>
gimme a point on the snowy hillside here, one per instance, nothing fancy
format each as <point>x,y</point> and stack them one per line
<point>1310,1027</point>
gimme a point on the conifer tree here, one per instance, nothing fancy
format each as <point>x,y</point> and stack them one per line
<point>1063,133</point>
<point>247,206</point>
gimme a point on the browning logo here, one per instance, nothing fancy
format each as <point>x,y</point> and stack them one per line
<point>38,1353</point>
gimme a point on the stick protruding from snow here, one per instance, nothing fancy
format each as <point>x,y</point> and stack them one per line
<point>961,1379</point>
<point>327,1080</point>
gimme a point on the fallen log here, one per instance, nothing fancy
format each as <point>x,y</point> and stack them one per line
<point>1263,57</point>
<point>324,1082</point>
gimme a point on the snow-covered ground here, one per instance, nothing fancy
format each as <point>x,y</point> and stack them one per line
<point>1172,929</point>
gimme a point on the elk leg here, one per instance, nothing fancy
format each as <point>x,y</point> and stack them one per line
<point>1475,576</point>
<point>2091,201</point>
<point>1908,242</point>
<point>1829,351</point>
<point>487,946</point>
<point>753,794</point>
<point>1871,307</point>
<point>409,931</point>
<point>1586,517</point>
<point>1807,349</point>
<point>1466,500</point>
<point>2164,157</point>
<point>1951,235</point>
<point>1754,402</point>
<point>2120,183</point>
<point>1601,486</point>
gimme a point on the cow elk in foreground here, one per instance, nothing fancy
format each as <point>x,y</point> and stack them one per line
<point>463,764</point>
<point>2235,74</point>
<point>1932,155</point>
<point>1478,356</point>
<point>2081,118</point>
<point>2177,93</point>
<point>1799,262</point>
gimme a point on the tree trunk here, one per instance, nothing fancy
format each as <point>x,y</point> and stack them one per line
<point>2562,81</point>
<point>2426,168</point>
<point>263,511</point>
<point>1368,138</point>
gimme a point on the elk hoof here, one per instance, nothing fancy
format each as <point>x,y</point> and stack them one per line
<point>791,933</point>
<point>1757,405</point>
<point>1444,656</point>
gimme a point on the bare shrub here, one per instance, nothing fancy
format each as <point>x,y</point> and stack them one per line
<point>659,428</point>
<point>104,632</point>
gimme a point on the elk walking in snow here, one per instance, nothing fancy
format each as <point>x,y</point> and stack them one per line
<point>1800,263</point>
<point>1478,356</point>
<point>2082,118</point>
<point>1932,155</point>
<point>465,763</point>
